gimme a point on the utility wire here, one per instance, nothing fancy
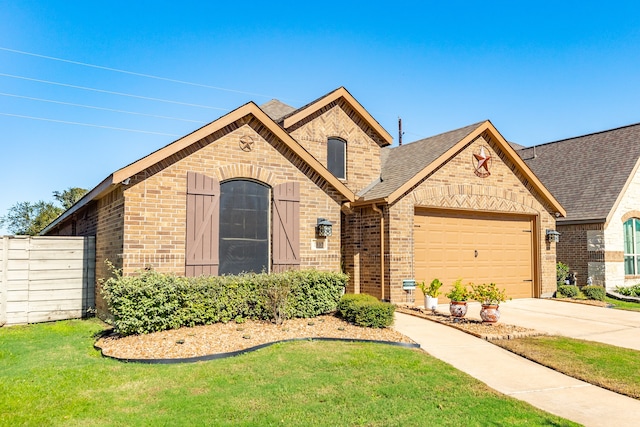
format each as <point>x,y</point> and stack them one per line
<point>100,108</point>
<point>112,93</point>
<point>87,124</point>
<point>84,64</point>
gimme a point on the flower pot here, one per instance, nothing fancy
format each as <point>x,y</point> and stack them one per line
<point>430,303</point>
<point>490,313</point>
<point>458,308</point>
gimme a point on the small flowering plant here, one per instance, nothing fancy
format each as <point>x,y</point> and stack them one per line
<point>488,294</point>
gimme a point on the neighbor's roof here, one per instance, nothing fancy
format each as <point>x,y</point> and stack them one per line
<point>589,173</point>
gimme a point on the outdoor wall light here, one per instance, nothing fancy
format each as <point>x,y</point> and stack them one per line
<point>324,228</point>
<point>553,236</point>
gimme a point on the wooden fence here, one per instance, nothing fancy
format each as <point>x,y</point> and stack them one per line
<point>46,278</point>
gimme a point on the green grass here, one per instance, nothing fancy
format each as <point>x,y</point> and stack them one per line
<point>51,375</point>
<point>607,366</point>
<point>623,305</point>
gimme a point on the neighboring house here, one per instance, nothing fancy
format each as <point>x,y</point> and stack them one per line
<point>246,193</point>
<point>595,177</point>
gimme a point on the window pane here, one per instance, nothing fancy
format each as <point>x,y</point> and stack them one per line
<point>628,237</point>
<point>636,236</point>
<point>336,157</point>
<point>629,265</point>
<point>244,227</point>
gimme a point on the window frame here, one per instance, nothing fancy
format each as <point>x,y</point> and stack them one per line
<point>267,198</point>
<point>331,166</point>
<point>634,244</point>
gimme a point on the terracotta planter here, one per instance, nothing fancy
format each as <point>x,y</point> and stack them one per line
<point>458,308</point>
<point>490,313</point>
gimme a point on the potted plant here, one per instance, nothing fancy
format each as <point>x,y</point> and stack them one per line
<point>431,293</point>
<point>458,296</point>
<point>490,297</point>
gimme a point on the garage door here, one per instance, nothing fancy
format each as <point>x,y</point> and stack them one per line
<point>478,248</point>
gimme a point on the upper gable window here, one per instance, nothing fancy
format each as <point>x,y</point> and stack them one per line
<point>337,157</point>
<point>632,246</point>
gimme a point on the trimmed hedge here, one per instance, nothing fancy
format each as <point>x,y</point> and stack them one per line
<point>152,301</point>
<point>594,292</point>
<point>366,310</point>
<point>568,291</point>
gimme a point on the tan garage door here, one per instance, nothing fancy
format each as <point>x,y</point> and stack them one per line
<point>479,248</point>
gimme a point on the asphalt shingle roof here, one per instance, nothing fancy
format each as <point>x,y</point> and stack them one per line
<point>276,109</point>
<point>400,164</point>
<point>586,173</point>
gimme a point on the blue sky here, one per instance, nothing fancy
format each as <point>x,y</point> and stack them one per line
<point>540,71</point>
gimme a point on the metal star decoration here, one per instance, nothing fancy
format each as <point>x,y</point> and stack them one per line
<point>483,161</point>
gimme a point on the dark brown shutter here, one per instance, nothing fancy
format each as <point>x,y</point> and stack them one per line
<point>203,211</point>
<point>286,227</point>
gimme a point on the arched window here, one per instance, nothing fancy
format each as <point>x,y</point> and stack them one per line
<point>337,157</point>
<point>244,227</point>
<point>632,246</point>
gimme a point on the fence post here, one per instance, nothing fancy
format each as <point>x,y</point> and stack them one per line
<point>3,280</point>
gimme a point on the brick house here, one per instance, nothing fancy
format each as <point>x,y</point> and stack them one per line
<point>596,178</point>
<point>247,191</point>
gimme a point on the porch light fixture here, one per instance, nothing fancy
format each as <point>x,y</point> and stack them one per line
<point>553,236</point>
<point>324,228</point>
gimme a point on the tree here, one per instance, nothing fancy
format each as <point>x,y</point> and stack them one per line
<point>31,218</point>
<point>69,196</point>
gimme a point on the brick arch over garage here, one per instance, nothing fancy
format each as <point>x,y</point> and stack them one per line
<point>466,196</point>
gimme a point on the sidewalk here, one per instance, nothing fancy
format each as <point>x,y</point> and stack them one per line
<point>520,378</point>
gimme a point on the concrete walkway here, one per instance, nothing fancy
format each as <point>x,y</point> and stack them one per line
<point>518,377</point>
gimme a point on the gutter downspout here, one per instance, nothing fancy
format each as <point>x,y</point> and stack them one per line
<point>380,211</point>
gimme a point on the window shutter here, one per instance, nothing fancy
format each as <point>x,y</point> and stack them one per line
<point>203,211</point>
<point>286,227</point>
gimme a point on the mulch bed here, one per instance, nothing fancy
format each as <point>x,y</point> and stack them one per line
<point>486,331</point>
<point>231,337</point>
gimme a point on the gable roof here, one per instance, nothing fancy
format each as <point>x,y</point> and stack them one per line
<point>588,174</point>
<point>405,166</point>
<point>302,113</point>
<point>276,109</point>
<point>117,177</point>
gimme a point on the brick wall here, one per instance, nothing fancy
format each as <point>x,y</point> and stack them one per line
<point>340,120</point>
<point>155,200</point>
<point>578,248</point>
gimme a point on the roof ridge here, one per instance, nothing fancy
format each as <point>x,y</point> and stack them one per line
<point>438,135</point>
<point>582,136</point>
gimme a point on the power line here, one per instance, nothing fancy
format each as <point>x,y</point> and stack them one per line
<point>84,64</point>
<point>87,124</point>
<point>100,108</point>
<point>112,93</point>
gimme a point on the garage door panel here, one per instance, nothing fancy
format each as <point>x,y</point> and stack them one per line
<point>446,245</point>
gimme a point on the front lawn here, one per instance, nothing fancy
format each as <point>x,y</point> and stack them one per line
<point>604,365</point>
<point>623,305</point>
<point>51,375</point>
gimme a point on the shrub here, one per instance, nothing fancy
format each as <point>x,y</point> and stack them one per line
<point>488,294</point>
<point>150,301</point>
<point>630,291</point>
<point>562,271</point>
<point>568,291</point>
<point>594,292</point>
<point>366,310</point>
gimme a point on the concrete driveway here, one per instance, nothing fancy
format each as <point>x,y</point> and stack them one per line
<point>616,327</point>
